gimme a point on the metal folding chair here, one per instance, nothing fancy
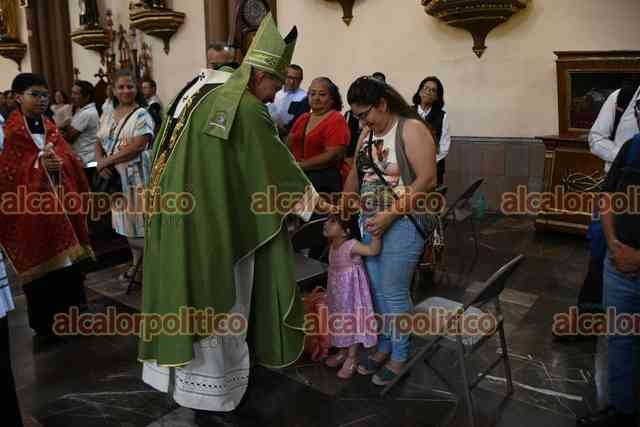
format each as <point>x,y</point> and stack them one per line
<point>460,210</point>
<point>464,343</point>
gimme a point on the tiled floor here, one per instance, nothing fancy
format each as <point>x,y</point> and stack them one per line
<point>94,381</point>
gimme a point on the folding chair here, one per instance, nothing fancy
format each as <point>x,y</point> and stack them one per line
<point>464,343</point>
<point>460,210</point>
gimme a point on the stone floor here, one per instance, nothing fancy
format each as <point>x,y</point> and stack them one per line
<point>95,381</point>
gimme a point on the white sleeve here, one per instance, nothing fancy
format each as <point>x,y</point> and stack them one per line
<point>445,139</point>
<point>599,137</point>
<point>80,121</point>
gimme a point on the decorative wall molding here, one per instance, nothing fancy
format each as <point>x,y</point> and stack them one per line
<point>478,17</point>
<point>158,22</point>
<point>347,9</point>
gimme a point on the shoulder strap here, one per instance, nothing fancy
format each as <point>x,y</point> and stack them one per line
<point>124,123</point>
<point>407,172</point>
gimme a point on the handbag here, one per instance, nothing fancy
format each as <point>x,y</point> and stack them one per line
<point>317,341</point>
<point>113,184</point>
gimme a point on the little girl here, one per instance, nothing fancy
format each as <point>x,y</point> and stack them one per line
<point>348,297</point>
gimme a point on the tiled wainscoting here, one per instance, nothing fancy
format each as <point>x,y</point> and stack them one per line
<point>504,163</point>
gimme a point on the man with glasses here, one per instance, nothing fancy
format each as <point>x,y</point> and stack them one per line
<point>45,241</point>
<point>621,281</point>
<point>290,93</point>
<point>220,55</point>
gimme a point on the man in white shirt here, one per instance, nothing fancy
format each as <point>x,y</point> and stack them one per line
<point>85,122</point>
<point>154,105</point>
<point>615,125</point>
<point>291,92</point>
<point>602,140</point>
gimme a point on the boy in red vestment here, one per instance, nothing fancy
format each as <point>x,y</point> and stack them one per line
<point>43,200</point>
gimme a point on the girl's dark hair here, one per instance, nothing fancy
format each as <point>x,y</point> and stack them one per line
<point>125,72</point>
<point>439,103</point>
<point>349,224</point>
<point>64,96</point>
<point>370,91</point>
<point>24,81</point>
<point>334,92</point>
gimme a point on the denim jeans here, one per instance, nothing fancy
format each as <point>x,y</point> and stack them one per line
<point>390,275</point>
<point>624,351</point>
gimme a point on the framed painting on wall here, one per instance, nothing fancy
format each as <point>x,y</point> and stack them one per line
<point>585,80</point>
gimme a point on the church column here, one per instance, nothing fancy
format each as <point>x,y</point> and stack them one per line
<point>49,42</point>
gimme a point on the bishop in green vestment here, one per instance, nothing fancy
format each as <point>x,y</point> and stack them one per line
<point>231,252</point>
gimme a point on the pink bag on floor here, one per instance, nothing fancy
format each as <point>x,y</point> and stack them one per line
<point>317,342</point>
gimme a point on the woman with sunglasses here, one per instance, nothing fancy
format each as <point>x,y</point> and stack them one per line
<point>395,162</point>
<point>428,103</point>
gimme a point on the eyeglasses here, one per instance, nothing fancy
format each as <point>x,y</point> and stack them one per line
<point>362,116</point>
<point>36,94</point>
<point>428,89</point>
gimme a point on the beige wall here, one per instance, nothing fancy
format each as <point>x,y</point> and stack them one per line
<point>8,68</point>
<point>510,92</point>
<point>171,72</point>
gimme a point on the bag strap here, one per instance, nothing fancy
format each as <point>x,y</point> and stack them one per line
<point>406,170</point>
<point>124,122</point>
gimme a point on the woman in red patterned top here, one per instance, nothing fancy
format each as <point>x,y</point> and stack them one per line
<point>319,139</point>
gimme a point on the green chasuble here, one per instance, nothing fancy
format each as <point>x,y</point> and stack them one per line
<point>189,258</point>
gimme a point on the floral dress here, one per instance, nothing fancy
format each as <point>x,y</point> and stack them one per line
<point>349,299</point>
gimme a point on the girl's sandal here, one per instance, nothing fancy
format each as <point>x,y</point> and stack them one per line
<point>336,360</point>
<point>348,369</point>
